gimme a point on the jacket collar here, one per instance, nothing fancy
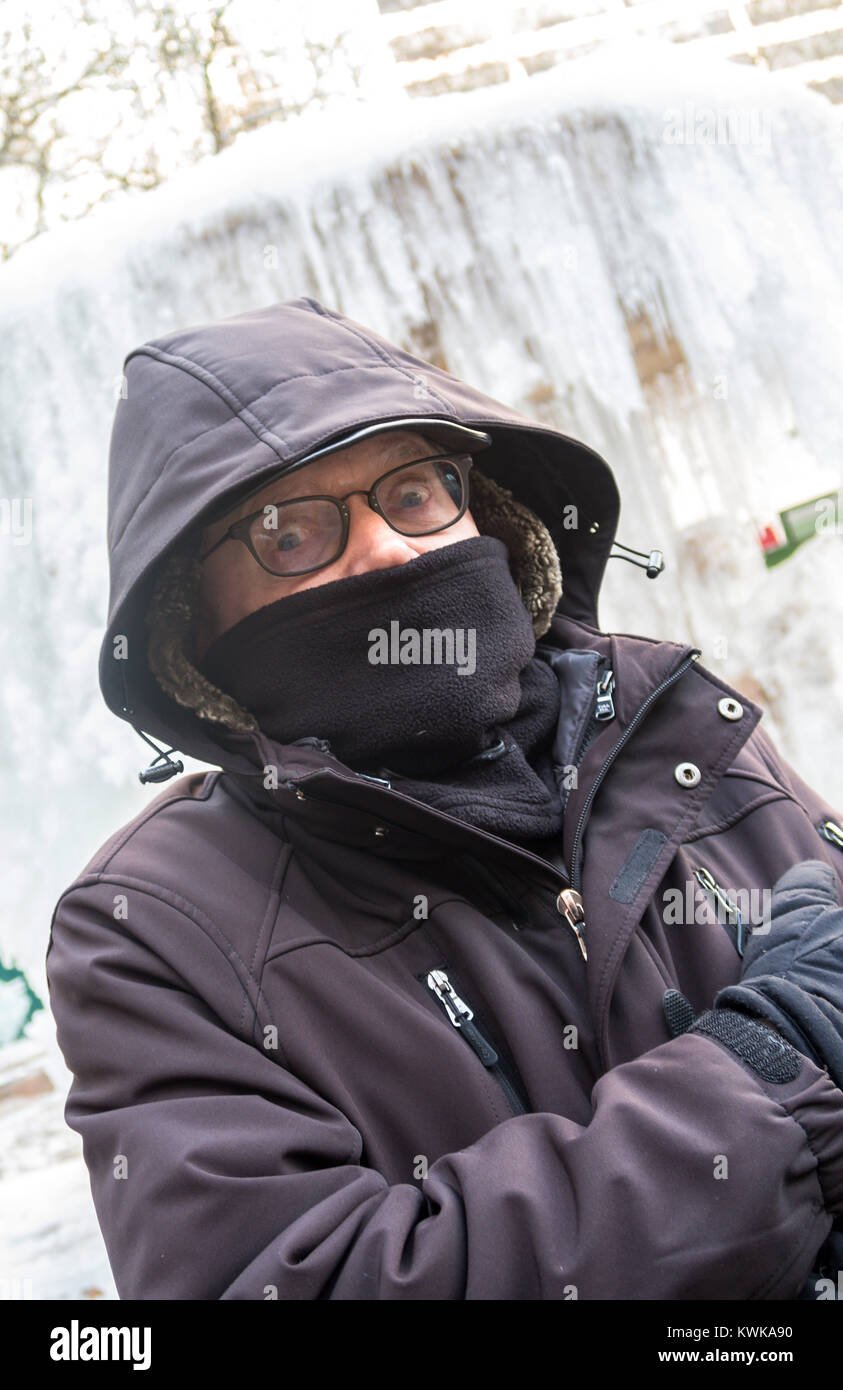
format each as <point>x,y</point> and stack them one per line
<point>305,782</point>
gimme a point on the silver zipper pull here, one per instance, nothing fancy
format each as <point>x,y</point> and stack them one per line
<point>444,990</point>
<point>605,703</point>
<point>704,878</point>
<point>569,904</point>
<point>833,832</point>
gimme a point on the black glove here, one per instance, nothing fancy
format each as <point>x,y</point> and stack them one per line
<point>792,977</point>
<point>792,973</point>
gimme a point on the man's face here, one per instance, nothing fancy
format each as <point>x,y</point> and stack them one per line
<point>234,584</point>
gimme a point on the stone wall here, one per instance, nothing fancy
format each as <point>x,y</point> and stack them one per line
<point>451,45</point>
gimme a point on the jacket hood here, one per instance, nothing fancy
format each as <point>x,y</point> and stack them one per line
<point>214,411</point>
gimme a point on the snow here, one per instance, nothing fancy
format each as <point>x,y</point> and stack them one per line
<point>50,1243</point>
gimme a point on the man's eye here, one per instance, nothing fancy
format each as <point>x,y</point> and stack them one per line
<point>413,499</point>
<point>412,495</point>
<point>288,540</point>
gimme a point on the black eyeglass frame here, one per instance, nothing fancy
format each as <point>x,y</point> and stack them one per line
<point>240,530</point>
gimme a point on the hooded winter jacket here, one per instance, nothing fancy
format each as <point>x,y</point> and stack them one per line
<point>276,1091</point>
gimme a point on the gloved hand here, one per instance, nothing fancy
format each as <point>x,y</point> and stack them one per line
<point>791,977</point>
<point>792,974</point>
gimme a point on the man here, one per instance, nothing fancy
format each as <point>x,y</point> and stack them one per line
<point>399,1003</point>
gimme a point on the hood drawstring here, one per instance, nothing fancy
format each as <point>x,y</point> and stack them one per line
<point>654,559</point>
<point>169,767</point>
<point>153,773</point>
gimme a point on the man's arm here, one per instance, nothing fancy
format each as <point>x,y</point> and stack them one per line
<point>217,1174</point>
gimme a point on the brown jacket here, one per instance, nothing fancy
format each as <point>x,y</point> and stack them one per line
<point>272,1092</point>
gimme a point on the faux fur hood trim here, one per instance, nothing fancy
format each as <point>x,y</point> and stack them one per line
<point>173,611</point>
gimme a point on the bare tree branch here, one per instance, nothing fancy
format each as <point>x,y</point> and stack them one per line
<point>182,47</point>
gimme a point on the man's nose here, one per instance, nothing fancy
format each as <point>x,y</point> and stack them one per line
<point>372,545</point>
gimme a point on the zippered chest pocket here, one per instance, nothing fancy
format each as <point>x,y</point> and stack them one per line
<point>461,1016</point>
<point>738,917</point>
<point>725,907</point>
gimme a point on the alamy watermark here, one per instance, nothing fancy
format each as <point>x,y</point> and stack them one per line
<point>16,519</point>
<point>80,1342</point>
<point>695,908</point>
<point>715,125</point>
<point>427,646</point>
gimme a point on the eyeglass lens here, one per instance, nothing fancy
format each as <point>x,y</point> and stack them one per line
<point>416,499</point>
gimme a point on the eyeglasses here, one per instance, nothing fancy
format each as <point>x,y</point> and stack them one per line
<point>307,533</point>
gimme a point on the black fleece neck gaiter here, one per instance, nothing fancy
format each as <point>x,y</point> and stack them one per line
<point>424,673</point>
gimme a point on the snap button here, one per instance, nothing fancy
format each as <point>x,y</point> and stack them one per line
<point>381,830</point>
<point>687,774</point>
<point>301,796</point>
<point>729,708</point>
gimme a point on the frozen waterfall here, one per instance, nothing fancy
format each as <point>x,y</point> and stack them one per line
<point>603,246</point>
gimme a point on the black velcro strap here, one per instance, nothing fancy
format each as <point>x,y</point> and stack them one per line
<point>678,1012</point>
<point>637,865</point>
<point>767,1052</point>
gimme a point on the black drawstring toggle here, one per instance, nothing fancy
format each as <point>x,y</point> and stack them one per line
<point>153,773</point>
<point>654,560</point>
<point>168,766</point>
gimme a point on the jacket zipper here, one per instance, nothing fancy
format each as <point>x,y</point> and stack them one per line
<point>569,901</point>
<point>603,710</point>
<point>461,1016</point>
<point>706,880</point>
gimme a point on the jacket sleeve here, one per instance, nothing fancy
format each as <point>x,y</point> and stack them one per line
<point>217,1174</point>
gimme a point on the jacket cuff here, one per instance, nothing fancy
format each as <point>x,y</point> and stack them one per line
<point>792,1012</point>
<point>766,1052</point>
